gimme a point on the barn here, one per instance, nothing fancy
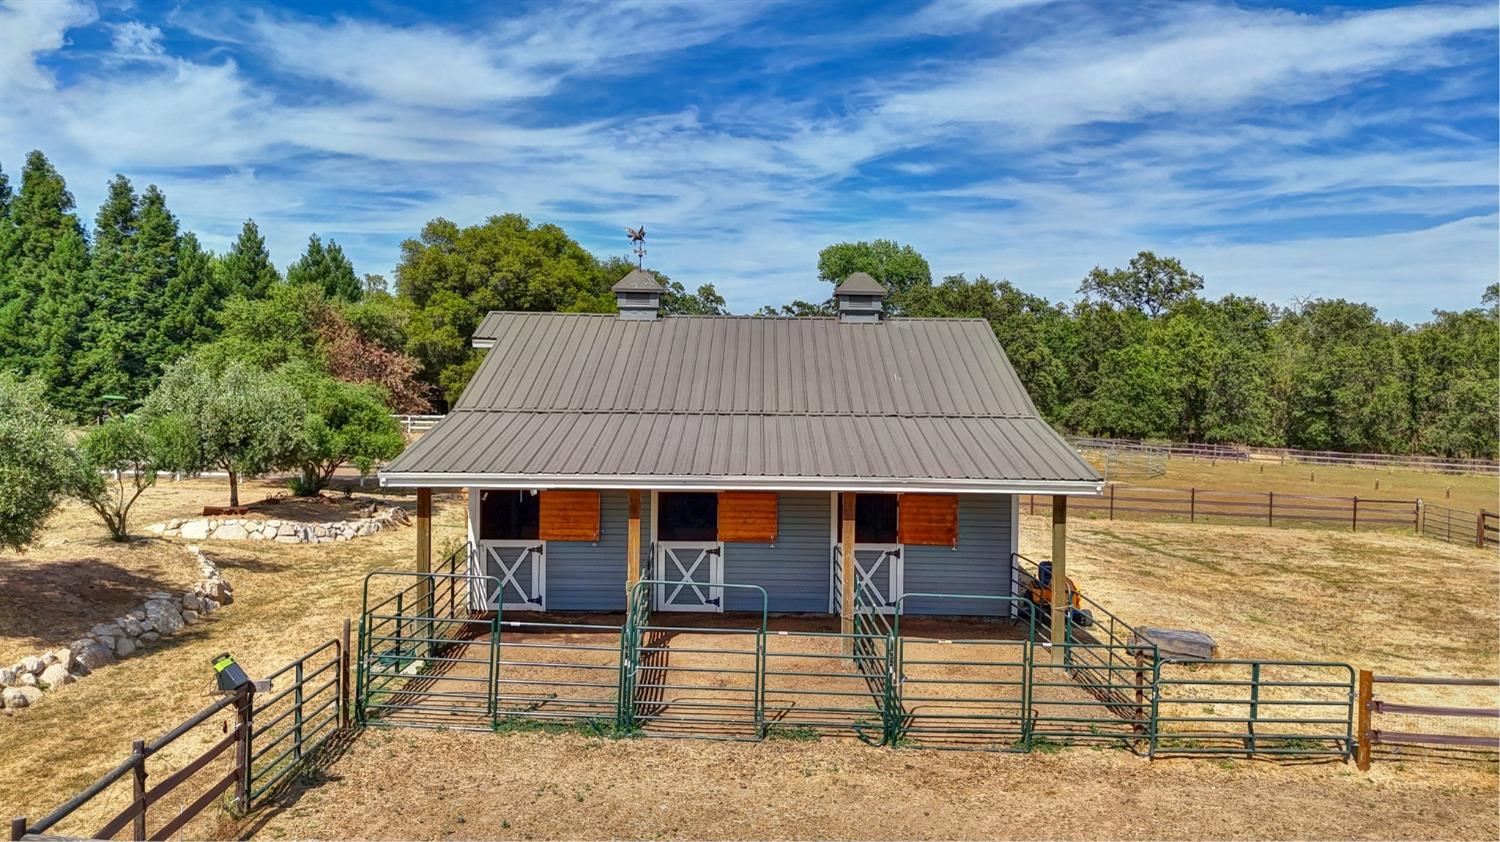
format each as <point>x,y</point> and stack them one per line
<point>804,465</point>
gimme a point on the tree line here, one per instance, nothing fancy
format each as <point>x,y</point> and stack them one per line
<point>99,316</point>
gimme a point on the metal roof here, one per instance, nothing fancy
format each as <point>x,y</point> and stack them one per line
<point>639,280</point>
<point>859,283</point>
<point>743,402</point>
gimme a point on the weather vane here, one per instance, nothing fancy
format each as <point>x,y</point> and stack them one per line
<point>638,236</point>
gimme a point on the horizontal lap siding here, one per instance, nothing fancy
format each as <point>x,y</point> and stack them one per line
<point>794,571</point>
<point>980,564</point>
<point>584,576</point>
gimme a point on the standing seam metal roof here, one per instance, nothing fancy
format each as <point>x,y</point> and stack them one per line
<point>740,399</point>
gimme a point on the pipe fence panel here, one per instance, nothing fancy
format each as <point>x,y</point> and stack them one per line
<point>1253,708</point>
<point>303,709</point>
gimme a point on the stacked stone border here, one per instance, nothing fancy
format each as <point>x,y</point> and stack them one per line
<point>280,531</point>
<point>24,683</point>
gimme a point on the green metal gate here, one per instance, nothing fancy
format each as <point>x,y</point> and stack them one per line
<point>1253,708</point>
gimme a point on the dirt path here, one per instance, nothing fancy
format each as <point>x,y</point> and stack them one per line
<point>441,785</point>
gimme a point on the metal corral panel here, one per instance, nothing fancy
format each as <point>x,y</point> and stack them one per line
<point>979,565</point>
<point>794,571</point>
<point>583,576</point>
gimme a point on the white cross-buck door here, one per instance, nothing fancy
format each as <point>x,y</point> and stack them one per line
<point>520,567</point>
<point>879,574</point>
<point>690,576</point>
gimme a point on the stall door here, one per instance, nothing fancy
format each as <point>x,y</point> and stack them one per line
<point>521,570</point>
<point>690,576</point>
<point>878,576</point>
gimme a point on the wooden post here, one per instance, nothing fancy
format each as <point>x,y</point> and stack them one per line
<point>1060,604</point>
<point>244,722</point>
<point>1192,505</point>
<point>424,530</point>
<point>1354,516</point>
<point>846,553</point>
<point>1479,529</point>
<point>17,828</point>
<point>632,547</point>
<point>1362,712</point>
<point>1111,502</point>
<point>1420,517</point>
<point>1270,508</point>
<point>138,790</point>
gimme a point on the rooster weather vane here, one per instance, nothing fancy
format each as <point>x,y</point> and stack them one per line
<point>638,236</point>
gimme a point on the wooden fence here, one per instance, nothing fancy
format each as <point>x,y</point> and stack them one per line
<point>1287,455</point>
<point>1267,508</point>
<point>1369,705</point>
<point>290,727</point>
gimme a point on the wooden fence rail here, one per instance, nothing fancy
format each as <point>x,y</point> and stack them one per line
<point>1285,455</point>
<point>304,715</point>
<point>1368,705</point>
<point>1267,508</point>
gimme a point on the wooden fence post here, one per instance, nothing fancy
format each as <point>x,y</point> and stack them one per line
<point>1354,517</point>
<point>1112,502</point>
<point>1192,505</point>
<point>1366,692</point>
<point>1420,516</point>
<point>1479,529</point>
<point>17,828</point>
<point>245,722</point>
<point>1270,508</point>
<point>138,790</point>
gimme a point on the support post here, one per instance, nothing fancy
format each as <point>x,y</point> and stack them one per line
<point>17,828</point>
<point>633,547</point>
<point>846,558</point>
<point>424,530</point>
<point>1060,604</point>
<point>344,689</point>
<point>1362,712</point>
<point>244,723</point>
<point>1354,516</point>
<point>138,790</point>
<point>1479,529</point>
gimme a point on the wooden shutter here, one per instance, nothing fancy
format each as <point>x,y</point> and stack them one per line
<point>930,519</point>
<point>747,516</point>
<point>569,516</point>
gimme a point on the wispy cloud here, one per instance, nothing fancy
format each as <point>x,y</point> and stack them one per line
<point>1277,151</point>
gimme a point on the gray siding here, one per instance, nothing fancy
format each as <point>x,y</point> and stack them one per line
<point>980,564</point>
<point>794,571</point>
<point>583,576</point>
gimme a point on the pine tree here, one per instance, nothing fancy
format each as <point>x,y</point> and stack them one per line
<point>102,367</point>
<point>43,259</point>
<point>326,268</point>
<point>246,270</point>
<point>189,304</point>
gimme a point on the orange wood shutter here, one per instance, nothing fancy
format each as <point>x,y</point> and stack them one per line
<point>569,516</point>
<point>930,519</point>
<point>747,516</point>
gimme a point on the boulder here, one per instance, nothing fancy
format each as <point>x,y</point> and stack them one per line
<point>231,532</point>
<point>64,656</point>
<point>19,697</point>
<point>190,616</point>
<point>195,530</point>
<point>90,655</point>
<point>124,647</point>
<point>26,679</point>
<point>56,676</point>
<point>48,658</point>
<point>150,637</point>
<point>33,664</point>
<point>137,614</point>
<point>7,677</point>
<point>132,627</point>
<point>164,616</point>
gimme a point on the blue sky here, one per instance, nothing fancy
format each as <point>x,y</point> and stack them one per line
<point>1283,151</point>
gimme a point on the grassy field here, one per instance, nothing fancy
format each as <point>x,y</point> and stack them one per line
<point>1459,491</point>
<point>1395,603</point>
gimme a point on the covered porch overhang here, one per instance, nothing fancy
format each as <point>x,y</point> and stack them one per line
<point>848,487</point>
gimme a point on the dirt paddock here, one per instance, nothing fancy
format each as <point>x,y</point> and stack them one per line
<point>412,784</point>
<point>962,679</point>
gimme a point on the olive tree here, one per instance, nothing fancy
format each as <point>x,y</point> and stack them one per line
<point>228,416</point>
<point>346,424</point>
<point>37,466</point>
<point>119,459</point>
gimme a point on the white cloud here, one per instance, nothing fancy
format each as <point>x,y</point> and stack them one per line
<point>134,39</point>
<point>29,30</point>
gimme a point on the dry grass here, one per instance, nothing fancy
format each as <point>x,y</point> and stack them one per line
<point>1391,602</point>
<point>1459,491</point>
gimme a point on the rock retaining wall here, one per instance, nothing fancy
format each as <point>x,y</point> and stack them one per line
<point>23,683</point>
<point>280,531</point>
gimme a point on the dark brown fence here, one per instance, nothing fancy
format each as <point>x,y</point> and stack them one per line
<point>1267,508</point>
<point>1474,529</point>
<point>294,721</point>
<point>1369,705</point>
<point>1286,455</point>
